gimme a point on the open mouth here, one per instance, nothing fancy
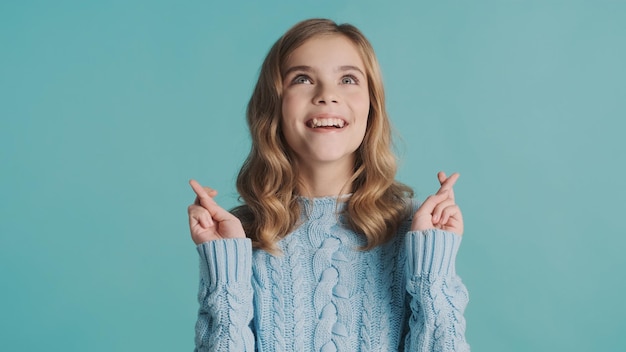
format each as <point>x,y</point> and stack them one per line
<point>326,123</point>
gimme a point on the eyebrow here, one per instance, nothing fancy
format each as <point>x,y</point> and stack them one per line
<point>305,68</point>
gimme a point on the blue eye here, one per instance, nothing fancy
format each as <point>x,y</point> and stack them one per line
<point>301,79</point>
<point>349,80</point>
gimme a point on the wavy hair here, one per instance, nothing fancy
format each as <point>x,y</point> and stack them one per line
<point>268,181</point>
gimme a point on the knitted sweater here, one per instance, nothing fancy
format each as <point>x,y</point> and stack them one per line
<point>324,294</point>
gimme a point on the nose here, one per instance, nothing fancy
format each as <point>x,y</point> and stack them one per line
<point>325,94</point>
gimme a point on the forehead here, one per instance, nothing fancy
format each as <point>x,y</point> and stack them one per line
<point>326,51</point>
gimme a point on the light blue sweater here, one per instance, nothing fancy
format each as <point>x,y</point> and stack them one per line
<point>324,294</point>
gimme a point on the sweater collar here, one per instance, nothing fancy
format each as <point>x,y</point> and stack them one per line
<point>318,207</point>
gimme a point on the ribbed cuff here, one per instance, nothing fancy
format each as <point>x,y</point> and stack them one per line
<point>432,253</point>
<point>225,261</point>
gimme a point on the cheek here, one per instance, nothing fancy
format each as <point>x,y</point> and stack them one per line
<point>289,107</point>
<point>364,107</point>
<point>287,114</point>
<point>287,125</point>
<point>284,107</point>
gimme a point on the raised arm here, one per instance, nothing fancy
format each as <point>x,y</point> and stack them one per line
<point>438,296</point>
<point>225,291</point>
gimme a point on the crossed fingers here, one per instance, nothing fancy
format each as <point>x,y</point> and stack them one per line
<point>204,195</point>
<point>446,214</point>
<point>447,183</point>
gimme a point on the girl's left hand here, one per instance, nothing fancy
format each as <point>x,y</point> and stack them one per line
<point>439,210</point>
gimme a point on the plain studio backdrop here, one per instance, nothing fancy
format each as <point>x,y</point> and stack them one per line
<point>108,108</point>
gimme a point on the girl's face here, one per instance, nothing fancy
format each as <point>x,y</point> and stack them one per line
<point>325,102</point>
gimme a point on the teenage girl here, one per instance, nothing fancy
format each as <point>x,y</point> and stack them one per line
<point>328,252</point>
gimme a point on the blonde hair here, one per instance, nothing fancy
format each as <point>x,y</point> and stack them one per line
<point>268,181</point>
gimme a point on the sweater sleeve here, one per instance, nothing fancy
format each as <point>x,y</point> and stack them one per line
<point>438,297</point>
<point>225,296</point>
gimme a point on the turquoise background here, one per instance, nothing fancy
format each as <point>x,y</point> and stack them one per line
<point>108,108</point>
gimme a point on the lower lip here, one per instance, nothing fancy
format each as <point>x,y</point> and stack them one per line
<point>327,130</point>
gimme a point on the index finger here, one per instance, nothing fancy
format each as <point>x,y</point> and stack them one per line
<point>448,183</point>
<point>203,196</point>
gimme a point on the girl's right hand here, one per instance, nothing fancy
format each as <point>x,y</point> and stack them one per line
<point>208,221</point>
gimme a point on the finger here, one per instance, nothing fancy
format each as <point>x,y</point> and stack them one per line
<point>439,208</point>
<point>197,188</point>
<point>210,191</point>
<point>219,214</point>
<point>203,197</point>
<point>204,200</point>
<point>431,202</point>
<point>202,220</point>
<point>447,183</point>
<point>441,176</point>
<point>199,215</point>
<point>448,213</point>
<point>454,225</point>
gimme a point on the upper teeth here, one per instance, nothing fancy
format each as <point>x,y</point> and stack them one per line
<point>327,122</point>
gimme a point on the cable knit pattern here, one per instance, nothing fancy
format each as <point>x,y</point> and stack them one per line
<point>433,284</point>
<point>278,304</point>
<point>324,294</point>
<point>297,302</point>
<point>225,297</point>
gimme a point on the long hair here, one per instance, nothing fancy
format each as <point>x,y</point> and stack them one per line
<point>268,181</point>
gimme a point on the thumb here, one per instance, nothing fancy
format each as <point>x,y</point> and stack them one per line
<point>431,202</point>
<point>218,213</point>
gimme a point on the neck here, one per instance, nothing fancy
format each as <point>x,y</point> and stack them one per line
<point>325,180</point>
